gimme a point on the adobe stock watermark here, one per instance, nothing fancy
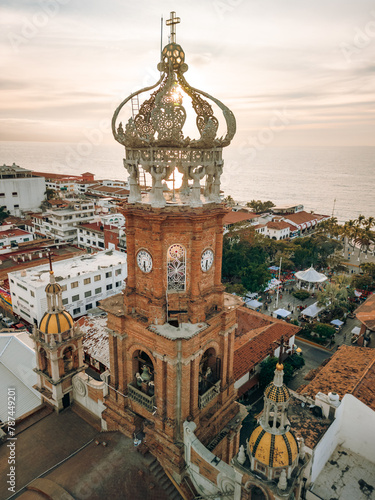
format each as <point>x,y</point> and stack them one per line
<point>32,25</point>
<point>361,39</point>
<point>93,137</point>
<point>278,122</point>
<point>223,7</point>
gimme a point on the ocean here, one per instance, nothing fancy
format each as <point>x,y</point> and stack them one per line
<point>325,180</point>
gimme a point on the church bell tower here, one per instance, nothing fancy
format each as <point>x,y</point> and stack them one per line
<point>172,340</point>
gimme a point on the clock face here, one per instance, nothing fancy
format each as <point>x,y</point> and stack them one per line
<point>207,260</point>
<point>144,261</point>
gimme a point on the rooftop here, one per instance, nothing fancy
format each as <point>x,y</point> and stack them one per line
<point>95,340</point>
<point>255,335</point>
<point>303,217</point>
<point>277,225</point>
<point>346,475</point>
<point>83,264</point>
<point>350,370</point>
<point>233,217</point>
<point>365,313</point>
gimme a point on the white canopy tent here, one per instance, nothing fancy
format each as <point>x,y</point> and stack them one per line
<point>253,304</point>
<point>281,313</point>
<point>312,311</point>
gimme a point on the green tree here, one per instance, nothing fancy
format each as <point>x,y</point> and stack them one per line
<point>268,367</point>
<point>324,331</point>
<point>259,206</point>
<point>4,213</point>
<point>50,193</point>
<point>335,295</point>
<point>228,200</point>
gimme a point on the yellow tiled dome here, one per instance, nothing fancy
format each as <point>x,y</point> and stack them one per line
<point>56,322</point>
<point>273,450</point>
<point>277,394</point>
<point>53,288</point>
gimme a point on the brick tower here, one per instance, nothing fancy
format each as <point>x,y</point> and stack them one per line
<point>172,340</point>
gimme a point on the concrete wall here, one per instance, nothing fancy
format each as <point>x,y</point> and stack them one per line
<point>208,474</point>
<point>29,193</point>
<point>90,394</point>
<point>350,429</point>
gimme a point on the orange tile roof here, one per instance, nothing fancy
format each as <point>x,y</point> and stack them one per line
<point>351,370</point>
<point>278,225</point>
<point>233,217</point>
<point>255,335</point>
<point>303,217</point>
<point>365,313</point>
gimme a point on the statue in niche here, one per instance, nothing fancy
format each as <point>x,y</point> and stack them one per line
<point>157,197</point>
<point>196,173</point>
<point>134,188</point>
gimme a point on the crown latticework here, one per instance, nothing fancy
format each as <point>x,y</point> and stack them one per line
<point>154,139</point>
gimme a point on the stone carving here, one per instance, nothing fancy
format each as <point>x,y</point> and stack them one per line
<point>196,174</point>
<point>157,197</point>
<point>241,457</point>
<point>79,386</point>
<point>134,188</point>
<point>282,484</point>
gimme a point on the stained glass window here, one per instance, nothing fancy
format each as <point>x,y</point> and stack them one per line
<point>176,268</point>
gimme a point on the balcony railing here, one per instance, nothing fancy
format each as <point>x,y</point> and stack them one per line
<point>209,395</point>
<point>140,397</point>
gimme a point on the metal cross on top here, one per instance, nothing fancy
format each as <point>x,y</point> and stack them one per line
<point>282,344</point>
<point>172,23</point>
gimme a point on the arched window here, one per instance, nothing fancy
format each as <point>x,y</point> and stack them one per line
<point>143,371</point>
<point>176,268</point>
<point>209,370</point>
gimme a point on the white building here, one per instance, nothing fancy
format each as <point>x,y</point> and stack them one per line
<point>60,223</point>
<point>116,219</point>
<point>85,280</point>
<point>10,238</point>
<point>20,190</point>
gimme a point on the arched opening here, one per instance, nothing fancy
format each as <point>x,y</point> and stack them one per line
<point>209,370</point>
<point>43,361</point>
<point>68,359</point>
<point>176,268</point>
<point>257,494</point>
<point>143,372</point>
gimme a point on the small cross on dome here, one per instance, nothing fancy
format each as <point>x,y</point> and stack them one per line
<point>172,23</point>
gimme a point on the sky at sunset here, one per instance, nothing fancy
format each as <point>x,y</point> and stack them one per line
<point>307,66</point>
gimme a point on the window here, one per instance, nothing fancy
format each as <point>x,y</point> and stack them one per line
<point>118,283</point>
<point>75,298</point>
<point>118,271</point>
<point>2,195</point>
<point>16,206</point>
<point>109,287</point>
<point>32,293</point>
<point>74,284</point>
<point>14,193</point>
<point>21,286</point>
<point>109,274</point>
<point>176,268</point>
<point>64,301</point>
<point>81,239</point>
<point>77,311</point>
<point>98,290</point>
<point>88,293</point>
<point>88,306</point>
<point>87,281</point>
<point>101,244</point>
<point>97,277</point>
<point>64,288</point>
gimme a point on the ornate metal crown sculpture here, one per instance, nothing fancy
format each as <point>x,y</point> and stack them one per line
<point>154,138</point>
